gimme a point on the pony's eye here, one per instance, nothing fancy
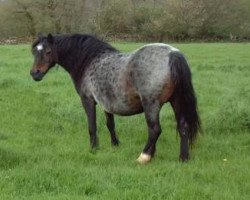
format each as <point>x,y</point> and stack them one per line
<point>48,52</point>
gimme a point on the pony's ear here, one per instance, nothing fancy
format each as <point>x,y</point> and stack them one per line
<point>39,35</point>
<point>50,38</point>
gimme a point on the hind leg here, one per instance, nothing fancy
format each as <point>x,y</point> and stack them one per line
<point>111,127</point>
<point>182,127</point>
<point>151,110</point>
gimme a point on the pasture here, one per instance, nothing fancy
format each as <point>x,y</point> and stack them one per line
<point>44,141</point>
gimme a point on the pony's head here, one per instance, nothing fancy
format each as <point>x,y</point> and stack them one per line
<point>44,56</point>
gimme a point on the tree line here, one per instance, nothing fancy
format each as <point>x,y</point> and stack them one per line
<point>156,20</point>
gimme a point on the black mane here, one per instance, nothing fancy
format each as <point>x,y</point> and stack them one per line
<point>76,51</point>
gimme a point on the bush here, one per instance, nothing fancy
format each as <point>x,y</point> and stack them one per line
<point>113,19</point>
<point>171,20</point>
<point>156,20</point>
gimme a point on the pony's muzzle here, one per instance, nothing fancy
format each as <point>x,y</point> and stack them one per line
<point>37,75</point>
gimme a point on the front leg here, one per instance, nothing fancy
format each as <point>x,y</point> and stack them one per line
<point>111,126</point>
<point>90,109</point>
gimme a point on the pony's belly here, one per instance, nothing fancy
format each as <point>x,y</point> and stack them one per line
<point>123,108</point>
<point>130,109</point>
<point>126,112</point>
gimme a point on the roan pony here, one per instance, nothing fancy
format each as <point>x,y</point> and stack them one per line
<point>124,84</point>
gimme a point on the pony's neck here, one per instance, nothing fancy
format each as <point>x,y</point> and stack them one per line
<point>76,52</point>
<point>65,58</point>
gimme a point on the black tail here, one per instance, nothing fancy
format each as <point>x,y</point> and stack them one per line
<point>184,95</point>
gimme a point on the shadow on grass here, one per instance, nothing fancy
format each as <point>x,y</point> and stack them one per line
<point>3,136</point>
<point>9,159</point>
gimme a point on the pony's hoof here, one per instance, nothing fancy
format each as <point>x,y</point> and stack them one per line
<point>93,150</point>
<point>115,143</point>
<point>143,158</point>
<point>183,159</point>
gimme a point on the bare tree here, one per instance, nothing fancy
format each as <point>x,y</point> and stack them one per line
<point>23,9</point>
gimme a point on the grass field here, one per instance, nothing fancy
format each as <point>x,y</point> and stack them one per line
<point>44,144</point>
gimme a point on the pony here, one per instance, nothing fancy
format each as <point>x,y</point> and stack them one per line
<point>124,84</point>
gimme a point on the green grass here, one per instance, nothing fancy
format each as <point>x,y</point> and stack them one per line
<point>44,144</point>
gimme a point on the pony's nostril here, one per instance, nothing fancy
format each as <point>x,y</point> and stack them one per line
<point>33,72</point>
<point>37,75</point>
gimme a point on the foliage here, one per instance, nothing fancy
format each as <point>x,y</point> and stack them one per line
<point>156,20</point>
